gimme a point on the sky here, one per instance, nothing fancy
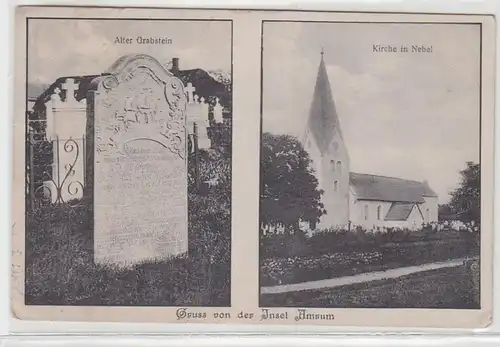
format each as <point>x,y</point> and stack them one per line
<point>409,115</point>
<point>60,47</point>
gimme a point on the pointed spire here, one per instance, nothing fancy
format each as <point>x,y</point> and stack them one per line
<point>323,118</point>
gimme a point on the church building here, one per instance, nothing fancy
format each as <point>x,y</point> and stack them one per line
<point>358,199</point>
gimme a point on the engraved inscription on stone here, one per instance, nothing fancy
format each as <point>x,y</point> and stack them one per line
<point>140,167</point>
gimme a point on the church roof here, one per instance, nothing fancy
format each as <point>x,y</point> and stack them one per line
<point>382,188</point>
<point>399,211</point>
<point>323,119</point>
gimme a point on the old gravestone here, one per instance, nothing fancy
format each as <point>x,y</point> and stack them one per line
<point>139,164</point>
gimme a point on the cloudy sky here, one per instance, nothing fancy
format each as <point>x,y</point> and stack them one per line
<point>409,115</point>
<point>80,47</point>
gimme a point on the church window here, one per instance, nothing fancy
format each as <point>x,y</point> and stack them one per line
<point>427,215</point>
<point>332,164</point>
<point>379,212</point>
<point>339,167</point>
<point>366,212</point>
<point>336,186</point>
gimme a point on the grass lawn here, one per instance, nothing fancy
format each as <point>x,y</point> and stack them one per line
<point>60,268</point>
<point>444,288</point>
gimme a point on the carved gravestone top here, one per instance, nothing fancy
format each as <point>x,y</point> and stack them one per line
<point>140,166</point>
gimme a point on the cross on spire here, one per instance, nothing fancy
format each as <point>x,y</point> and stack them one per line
<point>70,87</point>
<point>322,53</point>
<point>189,90</point>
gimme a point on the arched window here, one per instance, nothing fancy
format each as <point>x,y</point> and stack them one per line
<point>335,186</point>
<point>339,167</point>
<point>366,212</point>
<point>332,165</point>
<point>379,212</point>
<point>427,215</point>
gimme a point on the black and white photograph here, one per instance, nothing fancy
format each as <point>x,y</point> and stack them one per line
<point>128,162</point>
<point>370,165</point>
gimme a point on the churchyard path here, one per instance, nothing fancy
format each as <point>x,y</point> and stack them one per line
<point>361,278</point>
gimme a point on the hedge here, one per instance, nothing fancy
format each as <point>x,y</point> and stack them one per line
<point>300,259</point>
<point>331,241</point>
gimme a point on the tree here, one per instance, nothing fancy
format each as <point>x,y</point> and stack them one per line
<point>221,76</point>
<point>466,199</point>
<point>445,212</point>
<point>289,189</point>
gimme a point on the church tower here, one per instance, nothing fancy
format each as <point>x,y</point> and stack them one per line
<point>325,144</point>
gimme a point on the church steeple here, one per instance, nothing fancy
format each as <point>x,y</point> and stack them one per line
<point>323,119</point>
<point>325,145</point>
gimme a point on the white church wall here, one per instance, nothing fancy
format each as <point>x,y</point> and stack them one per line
<point>358,216</point>
<point>365,213</point>
<point>431,204</point>
<point>335,184</point>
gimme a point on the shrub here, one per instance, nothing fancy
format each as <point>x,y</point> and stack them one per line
<point>334,252</point>
<point>284,245</point>
<point>309,268</point>
<point>340,240</point>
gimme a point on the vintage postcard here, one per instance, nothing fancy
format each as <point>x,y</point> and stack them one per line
<point>351,186</point>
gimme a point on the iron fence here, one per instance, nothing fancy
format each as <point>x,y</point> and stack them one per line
<point>46,181</point>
